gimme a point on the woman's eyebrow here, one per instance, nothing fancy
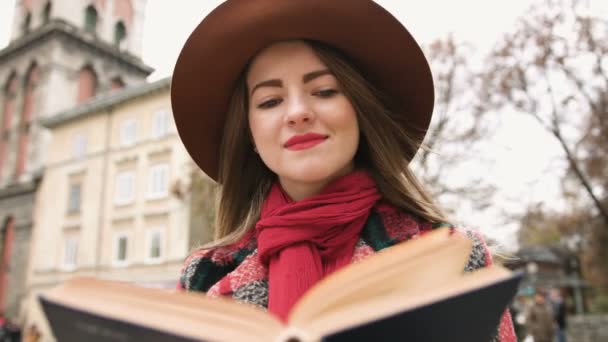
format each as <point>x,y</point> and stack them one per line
<point>314,74</point>
<point>309,76</point>
<point>268,83</point>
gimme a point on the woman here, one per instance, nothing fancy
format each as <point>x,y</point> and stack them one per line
<point>307,113</point>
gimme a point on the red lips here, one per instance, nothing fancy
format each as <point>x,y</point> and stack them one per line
<point>304,141</point>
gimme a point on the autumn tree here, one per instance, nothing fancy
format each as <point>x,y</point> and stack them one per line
<point>554,67</point>
<point>544,226</point>
<point>450,149</point>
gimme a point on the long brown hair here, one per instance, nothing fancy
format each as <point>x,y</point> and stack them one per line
<point>245,180</point>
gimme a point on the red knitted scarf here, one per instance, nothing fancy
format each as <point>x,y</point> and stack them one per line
<point>303,241</point>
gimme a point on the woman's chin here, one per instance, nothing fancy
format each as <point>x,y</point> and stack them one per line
<point>311,178</point>
<point>314,174</point>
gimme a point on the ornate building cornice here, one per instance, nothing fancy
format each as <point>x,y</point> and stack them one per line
<point>104,101</point>
<point>59,27</point>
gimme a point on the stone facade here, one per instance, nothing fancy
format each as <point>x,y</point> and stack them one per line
<point>18,200</point>
<point>59,57</point>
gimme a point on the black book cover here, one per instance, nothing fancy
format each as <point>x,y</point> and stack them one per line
<point>473,316</point>
<point>71,325</point>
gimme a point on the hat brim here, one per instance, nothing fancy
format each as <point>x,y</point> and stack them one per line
<point>218,49</point>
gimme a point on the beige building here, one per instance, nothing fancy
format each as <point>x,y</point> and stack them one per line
<point>113,200</point>
<point>62,53</point>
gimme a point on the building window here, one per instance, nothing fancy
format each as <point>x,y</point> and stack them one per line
<point>160,126</point>
<point>158,181</point>
<point>125,188</point>
<point>74,198</point>
<point>87,84</point>
<point>117,83</point>
<point>128,132</point>
<point>154,245</point>
<point>121,248</point>
<point>79,146</point>
<point>120,33</point>
<point>70,253</point>
<point>8,109</point>
<point>46,13</point>
<point>90,19</point>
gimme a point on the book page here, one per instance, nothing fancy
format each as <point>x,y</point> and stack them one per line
<point>185,314</point>
<point>425,261</point>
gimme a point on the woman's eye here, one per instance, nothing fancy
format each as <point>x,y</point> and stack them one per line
<point>269,103</point>
<point>325,93</point>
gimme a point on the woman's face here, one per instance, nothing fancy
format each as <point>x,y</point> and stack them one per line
<point>303,126</point>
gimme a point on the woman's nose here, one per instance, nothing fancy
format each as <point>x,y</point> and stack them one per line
<point>299,112</point>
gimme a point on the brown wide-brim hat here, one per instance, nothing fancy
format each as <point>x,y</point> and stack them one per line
<point>220,47</point>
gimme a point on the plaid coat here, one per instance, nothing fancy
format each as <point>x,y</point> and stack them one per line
<point>236,271</point>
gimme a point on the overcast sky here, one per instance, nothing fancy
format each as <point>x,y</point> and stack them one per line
<point>480,22</point>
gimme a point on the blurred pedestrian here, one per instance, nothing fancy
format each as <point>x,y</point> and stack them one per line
<point>3,331</point>
<point>540,319</point>
<point>559,314</point>
<point>9,332</point>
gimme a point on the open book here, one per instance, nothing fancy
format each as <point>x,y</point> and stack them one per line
<point>414,291</point>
